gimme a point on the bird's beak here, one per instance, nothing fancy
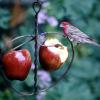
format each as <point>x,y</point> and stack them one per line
<point>61,25</point>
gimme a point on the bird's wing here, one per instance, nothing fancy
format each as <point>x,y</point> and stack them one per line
<point>75,31</point>
<point>80,36</point>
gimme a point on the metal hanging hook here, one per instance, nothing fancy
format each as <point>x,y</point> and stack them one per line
<point>36,7</point>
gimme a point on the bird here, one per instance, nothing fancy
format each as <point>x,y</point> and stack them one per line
<point>76,35</point>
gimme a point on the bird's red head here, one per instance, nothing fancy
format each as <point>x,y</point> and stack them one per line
<point>64,24</point>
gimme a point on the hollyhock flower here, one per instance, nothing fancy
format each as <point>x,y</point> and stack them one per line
<point>42,17</point>
<point>44,79</point>
<point>52,21</point>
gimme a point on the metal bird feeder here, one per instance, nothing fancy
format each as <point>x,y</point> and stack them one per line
<point>36,7</point>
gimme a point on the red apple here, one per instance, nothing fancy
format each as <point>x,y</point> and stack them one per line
<point>52,54</point>
<point>17,64</point>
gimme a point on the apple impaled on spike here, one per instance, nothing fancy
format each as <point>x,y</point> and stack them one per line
<point>52,54</point>
<point>17,64</point>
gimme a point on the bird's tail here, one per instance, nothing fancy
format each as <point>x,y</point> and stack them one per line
<point>93,43</point>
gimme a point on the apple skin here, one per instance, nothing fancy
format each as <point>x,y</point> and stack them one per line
<point>17,64</point>
<point>49,60</point>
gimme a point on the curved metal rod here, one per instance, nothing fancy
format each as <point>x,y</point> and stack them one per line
<point>32,93</point>
<point>66,71</point>
<point>2,73</point>
<point>32,37</point>
<point>19,37</point>
<point>22,44</point>
<point>13,88</point>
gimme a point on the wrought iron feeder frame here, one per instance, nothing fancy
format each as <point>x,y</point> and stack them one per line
<point>36,7</point>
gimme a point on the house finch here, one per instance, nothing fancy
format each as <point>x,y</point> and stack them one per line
<point>75,35</point>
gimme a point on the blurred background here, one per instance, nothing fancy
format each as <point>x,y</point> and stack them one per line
<point>83,80</point>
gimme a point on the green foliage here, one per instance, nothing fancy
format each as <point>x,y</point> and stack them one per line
<point>72,90</point>
<point>4,18</point>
